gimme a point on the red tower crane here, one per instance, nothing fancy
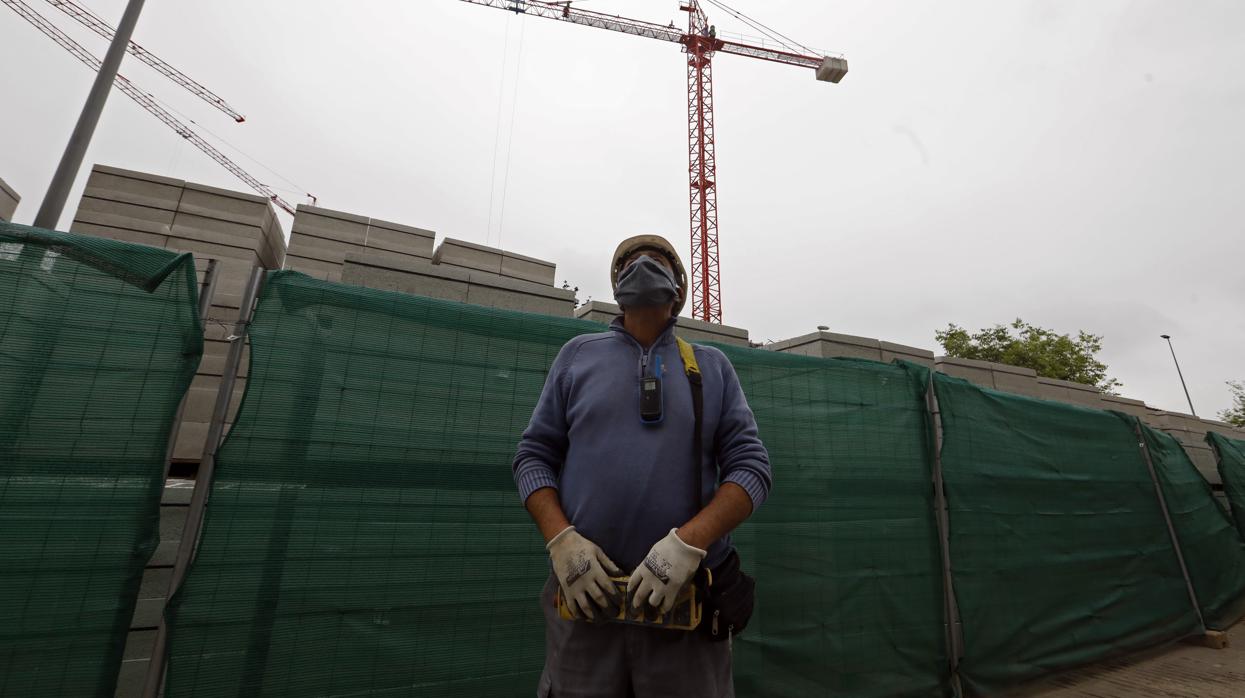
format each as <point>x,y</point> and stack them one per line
<point>700,42</point>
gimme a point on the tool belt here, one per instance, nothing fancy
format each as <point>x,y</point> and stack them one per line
<point>727,596</point>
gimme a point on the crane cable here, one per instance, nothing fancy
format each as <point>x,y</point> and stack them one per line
<point>788,42</point>
<point>514,107</point>
<point>501,96</point>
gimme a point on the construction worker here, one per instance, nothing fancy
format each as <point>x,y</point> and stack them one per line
<point>607,470</point>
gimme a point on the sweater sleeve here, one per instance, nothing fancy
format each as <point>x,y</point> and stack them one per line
<point>742,458</point>
<point>543,446</point>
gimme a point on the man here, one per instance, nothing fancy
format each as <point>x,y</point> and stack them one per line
<point>610,483</point>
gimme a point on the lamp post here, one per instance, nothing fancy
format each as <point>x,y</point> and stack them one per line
<point>58,191</point>
<point>1179,373</point>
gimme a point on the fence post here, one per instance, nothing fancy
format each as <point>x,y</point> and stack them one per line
<point>955,630</point>
<point>1171,529</point>
<point>203,480</point>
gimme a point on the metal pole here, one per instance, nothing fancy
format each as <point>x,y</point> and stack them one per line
<point>203,481</point>
<point>1178,372</point>
<point>955,638</point>
<point>58,191</point>
<point>1171,528</point>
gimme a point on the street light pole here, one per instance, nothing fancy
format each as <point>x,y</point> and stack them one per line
<point>58,191</point>
<point>1179,373</point>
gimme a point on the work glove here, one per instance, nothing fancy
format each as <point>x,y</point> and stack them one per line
<point>584,573</point>
<point>666,569</point>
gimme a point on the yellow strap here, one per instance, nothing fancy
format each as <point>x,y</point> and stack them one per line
<point>689,357</point>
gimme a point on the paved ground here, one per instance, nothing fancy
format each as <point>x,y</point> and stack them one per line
<point>1178,671</point>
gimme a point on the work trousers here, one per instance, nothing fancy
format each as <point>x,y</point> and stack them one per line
<point>614,660</point>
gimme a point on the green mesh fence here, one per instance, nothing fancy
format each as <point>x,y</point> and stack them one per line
<point>98,341</point>
<point>850,598</point>
<point>1059,550</point>
<point>1213,551</point>
<point>1231,455</point>
<point>364,535</point>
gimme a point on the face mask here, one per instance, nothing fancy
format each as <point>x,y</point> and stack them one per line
<point>645,282</point>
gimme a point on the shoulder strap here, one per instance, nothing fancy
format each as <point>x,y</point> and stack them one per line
<point>692,369</point>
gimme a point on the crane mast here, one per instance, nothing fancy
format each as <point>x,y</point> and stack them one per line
<point>700,43</point>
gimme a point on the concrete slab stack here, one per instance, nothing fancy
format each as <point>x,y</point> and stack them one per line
<point>8,201</point>
<point>354,249</point>
<point>236,229</point>
<point>833,345</point>
<point>689,329</point>
<point>322,238</point>
<point>456,283</point>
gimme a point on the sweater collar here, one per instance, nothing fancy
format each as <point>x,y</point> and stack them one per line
<point>666,336</point>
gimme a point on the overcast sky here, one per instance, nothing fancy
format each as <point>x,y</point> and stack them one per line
<point>1077,164</point>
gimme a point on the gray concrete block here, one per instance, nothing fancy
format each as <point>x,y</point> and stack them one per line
<point>1137,408</point>
<point>224,204</point>
<point>132,189</point>
<point>118,214</point>
<point>135,174</point>
<point>214,354</point>
<point>468,255</point>
<point>892,351</point>
<point>493,297</point>
<point>1074,393</point>
<point>243,238</point>
<point>147,613</point>
<point>156,582</point>
<point>1015,379</point>
<point>191,436</point>
<point>832,345</point>
<point>315,268</point>
<point>403,239</point>
<point>979,373</point>
<point>177,491</point>
<point>132,678</point>
<point>322,249</point>
<point>518,266</point>
<point>201,399</point>
<point>138,644</point>
<point>124,234</point>
<point>172,523</point>
<point>8,201</point>
<point>329,225</point>
<point>428,283</point>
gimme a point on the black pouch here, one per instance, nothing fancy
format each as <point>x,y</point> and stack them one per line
<point>728,598</point>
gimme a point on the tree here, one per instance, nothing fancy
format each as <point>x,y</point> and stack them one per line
<point>1051,354</point>
<point>1235,415</point>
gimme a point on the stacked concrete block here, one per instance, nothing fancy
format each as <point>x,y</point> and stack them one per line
<point>8,201</point>
<point>154,589</point>
<point>1015,379</point>
<point>830,345</point>
<point>689,329</point>
<point>237,230</point>
<point>472,257</point>
<point>979,373</point>
<point>1137,408</point>
<point>322,238</point>
<point>456,283</point>
<point>1070,392</point>
<point>1191,431</point>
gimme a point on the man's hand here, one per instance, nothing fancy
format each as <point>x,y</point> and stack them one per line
<point>666,569</point>
<point>583,571</point>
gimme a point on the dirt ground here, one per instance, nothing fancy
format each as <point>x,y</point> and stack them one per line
<point>1178,671</point>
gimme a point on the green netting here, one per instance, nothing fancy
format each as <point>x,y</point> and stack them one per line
<point>850,598</point>
<point>364,535</point>
<point>1213,552</point>
<point>98,341</point>
<point>1231,455</point>
<point>1060,554</point>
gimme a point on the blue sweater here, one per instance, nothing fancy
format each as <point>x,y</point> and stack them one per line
<point>624,484</point>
